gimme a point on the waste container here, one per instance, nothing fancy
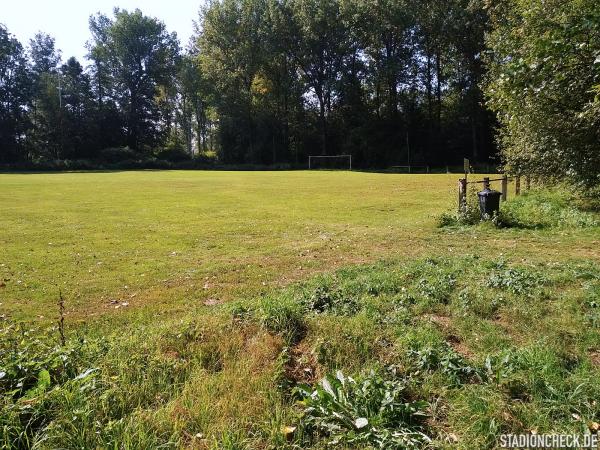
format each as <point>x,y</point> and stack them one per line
<point>489,202</point>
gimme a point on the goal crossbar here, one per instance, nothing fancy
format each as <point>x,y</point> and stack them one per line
<point>310,158</point>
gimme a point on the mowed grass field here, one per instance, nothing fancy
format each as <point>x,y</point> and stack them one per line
<point>202,310</point>
<point>171,240</point>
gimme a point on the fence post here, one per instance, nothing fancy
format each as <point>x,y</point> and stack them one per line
<point>486,182</point>
<point>517,185</point>
<point>504,188</point>
<point>462,194</point>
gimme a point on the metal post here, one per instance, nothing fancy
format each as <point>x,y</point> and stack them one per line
<point>504,188</point>
<point>350,162</point>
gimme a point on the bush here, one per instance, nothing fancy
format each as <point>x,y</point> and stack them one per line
<point>174,155</point>
<point>117,154</point>
<point>544,209</point>
<point>369,410</point>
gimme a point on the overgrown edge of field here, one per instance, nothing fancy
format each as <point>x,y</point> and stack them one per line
<point>435,352</point>
<point>541,208</point>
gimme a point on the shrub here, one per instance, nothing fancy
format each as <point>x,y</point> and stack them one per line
<point>174,154</point>
<point>469,215</point>
<point>544,209</point>
<point>117,154</point>
<point>369,410</point>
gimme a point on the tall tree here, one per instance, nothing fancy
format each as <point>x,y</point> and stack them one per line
<point>543,83</point>
<point>79,112</point>
<point>319,43</point>
<point>46,137</point>
<point>15,97</point>
<point>231,53</point>
<point>134,55</point>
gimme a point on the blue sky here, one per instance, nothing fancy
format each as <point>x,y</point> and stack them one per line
<point>67,20</point>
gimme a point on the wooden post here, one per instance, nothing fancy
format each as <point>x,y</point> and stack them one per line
<point>486,182</point>
<point>462,194</point>
<point>517,185</point>
<point>527,182</point>
<point>504,188</point>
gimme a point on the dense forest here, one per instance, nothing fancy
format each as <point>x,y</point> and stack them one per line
<point>272,81</point>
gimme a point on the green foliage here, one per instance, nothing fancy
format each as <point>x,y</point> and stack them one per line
<point>445,360</point>
<point>15,96</point>
<point>543,75</point>
<point>545,209</point>
<point>327,299</point>
<point>469,214</point>
<point>515,280</point>
<point>134,56</point>
<point>370,409</point>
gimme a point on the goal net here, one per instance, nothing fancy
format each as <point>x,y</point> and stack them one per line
<point>332,162</point>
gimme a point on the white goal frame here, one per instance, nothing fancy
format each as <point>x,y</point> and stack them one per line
<point>310,157</point>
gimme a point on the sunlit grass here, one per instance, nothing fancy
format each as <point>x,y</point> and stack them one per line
<point>197,301</point>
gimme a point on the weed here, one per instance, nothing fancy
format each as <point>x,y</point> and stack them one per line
<point>470,214</point>
<point>445,360</point>
<point>324,299</point>
<point>515,280</point>
<point>369,410</point>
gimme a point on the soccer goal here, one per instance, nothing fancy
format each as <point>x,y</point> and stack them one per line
<point>330,162</point>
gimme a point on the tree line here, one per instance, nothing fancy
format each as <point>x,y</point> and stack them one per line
<point>273,81</point>
<point>262,82</point>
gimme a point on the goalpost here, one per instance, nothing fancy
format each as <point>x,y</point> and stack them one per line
<point>313,159</point>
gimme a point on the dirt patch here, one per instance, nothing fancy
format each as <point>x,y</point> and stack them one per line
<point>302,366</point>
<point>443,322</point>
<point>461,348</point>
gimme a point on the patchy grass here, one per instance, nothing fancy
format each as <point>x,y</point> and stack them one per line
<point>416,366</point>
<point>450,335</point>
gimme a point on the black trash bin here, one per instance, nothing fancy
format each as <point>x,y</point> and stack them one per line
<point>489,202</point>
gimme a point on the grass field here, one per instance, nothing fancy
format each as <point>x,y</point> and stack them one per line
<point>198,302</point>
